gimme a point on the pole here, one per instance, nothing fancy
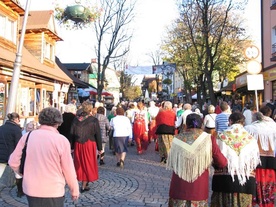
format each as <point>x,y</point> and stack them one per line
<point>257,104</point>
<point>17,64</point>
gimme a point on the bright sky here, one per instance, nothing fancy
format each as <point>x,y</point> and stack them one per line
<point>152,17</point>
<point>151,20</point>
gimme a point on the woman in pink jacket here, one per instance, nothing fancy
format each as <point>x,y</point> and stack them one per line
<point>49,165</point>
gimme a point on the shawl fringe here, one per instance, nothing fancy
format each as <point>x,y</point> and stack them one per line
<point>190,161</point>
<point>264,131</point>
<point>245,162</point>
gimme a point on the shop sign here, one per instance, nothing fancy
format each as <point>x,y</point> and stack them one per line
<point>65,88</point>
<point>241,81</point>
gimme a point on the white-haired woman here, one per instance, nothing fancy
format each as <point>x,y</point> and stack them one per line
<point>209,121</point>
<point>165,121</point>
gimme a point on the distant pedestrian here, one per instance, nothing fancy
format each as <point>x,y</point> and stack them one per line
<point>68,117</point>
<point>153,111</point>
<point>140,128</point>
<point>105,127</point>
<point>86,134</point>
<point>248,114</point>
<point>190,157</point>
<point>165,121</point>
<point>49,165</point>
<point>222,121</point>
<point>181,121</point>
<point>209,121</point>
<point>122,135</point>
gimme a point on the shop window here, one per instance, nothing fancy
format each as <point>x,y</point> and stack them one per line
<point>27,102</point>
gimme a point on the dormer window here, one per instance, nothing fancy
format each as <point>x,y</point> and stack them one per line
<point>49,52</point>
<point>8,28</point>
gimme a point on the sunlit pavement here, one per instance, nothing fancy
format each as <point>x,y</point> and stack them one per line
<point>144,181</point>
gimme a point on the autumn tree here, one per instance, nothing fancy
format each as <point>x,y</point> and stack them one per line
<point>133,92</point>
<point>112,34</point>
<point>207,35</point>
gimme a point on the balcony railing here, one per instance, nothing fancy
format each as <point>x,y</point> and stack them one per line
<point>273,5</point>
<point>273,52</point>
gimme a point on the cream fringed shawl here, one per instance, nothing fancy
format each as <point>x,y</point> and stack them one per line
<point>241,151</point>
<point>190,161</point>
<point>264,131</point>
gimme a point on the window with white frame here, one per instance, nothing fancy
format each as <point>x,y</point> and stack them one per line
<point>49,51</point>
<point>8,28</point>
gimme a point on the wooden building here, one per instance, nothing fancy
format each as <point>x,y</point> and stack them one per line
<point>42,82</point>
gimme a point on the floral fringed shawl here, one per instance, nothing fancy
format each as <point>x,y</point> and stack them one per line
<point>189,161</point>
<point>241,151</point>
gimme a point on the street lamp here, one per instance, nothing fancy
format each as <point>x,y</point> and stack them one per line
<point>255,81</point>
<point>17,64</point>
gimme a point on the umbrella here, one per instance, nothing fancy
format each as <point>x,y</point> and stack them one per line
<point>106,93</point>
<point>91,91</point>
<point>82,92</point>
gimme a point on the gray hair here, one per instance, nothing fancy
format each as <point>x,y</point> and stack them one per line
<point>50,116</point>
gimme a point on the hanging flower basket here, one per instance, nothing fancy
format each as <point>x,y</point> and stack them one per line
<point>76,15</point>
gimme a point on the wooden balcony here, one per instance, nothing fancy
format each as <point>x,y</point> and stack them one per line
<point>273,5</point>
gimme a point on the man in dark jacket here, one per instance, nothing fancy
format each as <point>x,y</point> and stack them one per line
<point>10,133</point>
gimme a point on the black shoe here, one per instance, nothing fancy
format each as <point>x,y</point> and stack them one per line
<point>82,190</point>
<point>20,194</point>
<point>102,162</point>
<point>118,164</point>
<point>162,159</point>
<point>132,144</point>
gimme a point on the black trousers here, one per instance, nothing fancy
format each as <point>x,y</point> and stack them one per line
<point>45,202</point>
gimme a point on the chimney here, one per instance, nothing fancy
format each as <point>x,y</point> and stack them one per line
<point>93,60</point>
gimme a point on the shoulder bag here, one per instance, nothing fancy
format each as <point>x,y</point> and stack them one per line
<point>23,157</point>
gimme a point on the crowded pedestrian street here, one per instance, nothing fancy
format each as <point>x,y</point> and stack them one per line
<point>144,181</point>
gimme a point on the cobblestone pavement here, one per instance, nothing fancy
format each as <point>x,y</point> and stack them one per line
<point>144,181</point>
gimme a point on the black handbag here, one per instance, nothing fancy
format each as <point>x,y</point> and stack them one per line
<point>23,157</point>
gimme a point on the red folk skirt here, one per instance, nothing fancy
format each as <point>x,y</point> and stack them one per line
<point>140,135</point>
<point>85,161</point>
<point>266,187</point>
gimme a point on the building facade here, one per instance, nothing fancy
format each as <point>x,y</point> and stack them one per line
<point>42,82</point>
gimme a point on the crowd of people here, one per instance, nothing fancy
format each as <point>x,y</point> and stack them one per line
<point>238,143</point>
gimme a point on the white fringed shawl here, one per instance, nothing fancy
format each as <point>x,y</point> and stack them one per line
<point>264,131</point>
<point>241,151</point>
<point>190,161</point>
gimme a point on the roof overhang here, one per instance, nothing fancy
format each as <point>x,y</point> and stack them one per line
<point>14,6</point>
<point>32,65</point>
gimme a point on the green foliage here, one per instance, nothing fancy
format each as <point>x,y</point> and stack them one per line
<point>167,81</point>
<point>207,37</point>
<point>133,92</point>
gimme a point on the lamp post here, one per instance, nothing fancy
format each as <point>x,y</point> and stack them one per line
<point>17,64</point>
